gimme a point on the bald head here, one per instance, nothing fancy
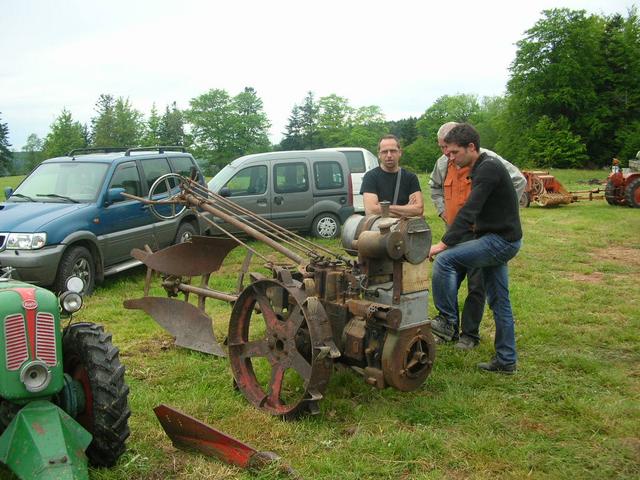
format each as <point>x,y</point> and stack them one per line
<point>445,128</point>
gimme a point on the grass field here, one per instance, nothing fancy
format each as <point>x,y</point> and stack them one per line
<point>571,411</point>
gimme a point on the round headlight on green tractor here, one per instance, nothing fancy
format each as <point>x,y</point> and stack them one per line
<point>70,302</point>
<point>35,376</point>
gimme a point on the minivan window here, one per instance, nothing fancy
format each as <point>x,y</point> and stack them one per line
<point>291,178</point>
<point>328,175</point>
<point>356,161</point>
<point>126,176</point>
<point>248,181</point>
<point>154,168</point>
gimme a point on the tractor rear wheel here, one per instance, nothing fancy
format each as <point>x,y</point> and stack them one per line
<point>610,193</point>
<point>632,193</point>
<point>91,359</point>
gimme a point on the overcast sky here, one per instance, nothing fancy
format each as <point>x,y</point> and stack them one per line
<point>400,55</point>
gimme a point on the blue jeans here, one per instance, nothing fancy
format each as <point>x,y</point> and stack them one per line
<point>490,253</point>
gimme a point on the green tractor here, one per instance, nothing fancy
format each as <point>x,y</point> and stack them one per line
<point>63,397</point>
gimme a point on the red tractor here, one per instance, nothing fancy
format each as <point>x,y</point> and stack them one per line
<point>623,185</point>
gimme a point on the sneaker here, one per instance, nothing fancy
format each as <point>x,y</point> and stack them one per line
<point>443,329</point>
<point>495,366</point>
<point>466,343</point>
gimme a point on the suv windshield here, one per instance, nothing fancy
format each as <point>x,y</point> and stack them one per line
<point>62,182</point>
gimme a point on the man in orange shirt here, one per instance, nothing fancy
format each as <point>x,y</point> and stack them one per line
<point>450,188</point>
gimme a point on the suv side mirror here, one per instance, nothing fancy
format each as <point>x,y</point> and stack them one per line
<point>115,195</point>
<point>8,191</point>
<point>224,192</point>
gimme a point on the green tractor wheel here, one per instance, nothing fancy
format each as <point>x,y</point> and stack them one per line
<point>91,359</point>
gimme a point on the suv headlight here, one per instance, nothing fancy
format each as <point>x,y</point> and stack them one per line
<point>26,241</point>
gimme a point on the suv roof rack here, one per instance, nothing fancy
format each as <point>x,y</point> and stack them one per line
<point>160,149</point>
<point>96,149</point>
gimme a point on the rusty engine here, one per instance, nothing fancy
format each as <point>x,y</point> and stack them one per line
<point>288,329</point>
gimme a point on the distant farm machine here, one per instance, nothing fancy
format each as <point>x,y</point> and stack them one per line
<point>546,190</point>
<point>623,185</point>
<point>288,327</point>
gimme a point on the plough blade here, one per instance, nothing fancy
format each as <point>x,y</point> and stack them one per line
<point>191,327</point>
<point>187,432</point>
<point>200,256</point>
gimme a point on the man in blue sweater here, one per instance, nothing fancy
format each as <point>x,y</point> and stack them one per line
<point>492,213</point>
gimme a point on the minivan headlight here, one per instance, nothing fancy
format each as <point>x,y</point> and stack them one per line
<point>26,241</point>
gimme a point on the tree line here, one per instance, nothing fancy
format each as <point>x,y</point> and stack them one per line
<point>572,100</point>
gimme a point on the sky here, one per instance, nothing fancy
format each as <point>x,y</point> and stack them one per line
<point>400,55</point>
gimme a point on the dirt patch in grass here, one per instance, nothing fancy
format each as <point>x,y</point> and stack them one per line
<point>621,255</point>
<point>594,277</point>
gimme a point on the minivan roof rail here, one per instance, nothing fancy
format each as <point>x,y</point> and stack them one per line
<point>160,149</point>
<point>75,151</point>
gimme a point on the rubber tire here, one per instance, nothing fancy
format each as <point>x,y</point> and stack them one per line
<point>632,192</point>
<point>185,229</point>
<point>610,193</point>
<point>326,225</point>
<point>76,261</point>
<point>524,201</point>
<point>87,349</point>
<point>8,410</point>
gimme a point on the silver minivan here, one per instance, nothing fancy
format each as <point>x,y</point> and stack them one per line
<point>360,161</point>
<point>306,190</point>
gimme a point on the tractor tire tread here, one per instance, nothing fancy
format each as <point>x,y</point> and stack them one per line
<point>89,345</point>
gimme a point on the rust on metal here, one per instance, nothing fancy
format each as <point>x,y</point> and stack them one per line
<point>187,432</point>
<point>199,256</point>
<point>191,327</point>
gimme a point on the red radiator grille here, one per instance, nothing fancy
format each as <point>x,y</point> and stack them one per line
<point>46,338</point>
<point>14,332</point>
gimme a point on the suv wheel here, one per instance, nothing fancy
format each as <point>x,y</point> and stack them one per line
<point>76,261</point>
<point>325,225</point>
<point>185,232</point>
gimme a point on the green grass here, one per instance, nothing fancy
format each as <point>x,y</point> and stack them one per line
<point>571,411</point>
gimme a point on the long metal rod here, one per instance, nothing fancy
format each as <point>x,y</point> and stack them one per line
<point>299,241</point>
<point>249,230</point>
<point>205,292</point>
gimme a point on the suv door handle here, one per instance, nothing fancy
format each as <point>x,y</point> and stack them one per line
<point>262,202</point>
<point>278,200</point>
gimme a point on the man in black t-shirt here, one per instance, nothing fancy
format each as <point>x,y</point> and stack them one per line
<point>380,183</point>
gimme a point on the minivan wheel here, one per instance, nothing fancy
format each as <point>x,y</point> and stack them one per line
<point>184,233</point>
<point>326,225</point>
<point>76,261</point>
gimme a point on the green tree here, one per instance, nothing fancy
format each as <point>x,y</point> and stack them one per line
<point>152,128</point>
<point>224,128</point>
<point>293,134</point>
<point>448,108</point>
<point>65,134</point>
<point>583,68</point>
<point>171,129</point>
<point>309,119</point>
<point>34,148</point>
<point>5,153</point>
<point>251,123</point>
<point>335,116</point>
<point>553,144</point>
<point>117,123</point>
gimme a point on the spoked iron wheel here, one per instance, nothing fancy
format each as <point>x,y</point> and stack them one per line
<point>273,354</point>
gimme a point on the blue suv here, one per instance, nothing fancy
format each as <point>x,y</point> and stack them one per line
<point>69,217</point>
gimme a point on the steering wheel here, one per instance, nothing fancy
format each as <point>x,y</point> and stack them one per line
<point>165,179</point>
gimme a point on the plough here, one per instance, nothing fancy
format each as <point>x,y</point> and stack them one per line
<point>366,309</point>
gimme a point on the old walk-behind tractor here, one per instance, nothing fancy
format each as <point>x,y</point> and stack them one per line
<point>289,327</point>
<point>62,390</point>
